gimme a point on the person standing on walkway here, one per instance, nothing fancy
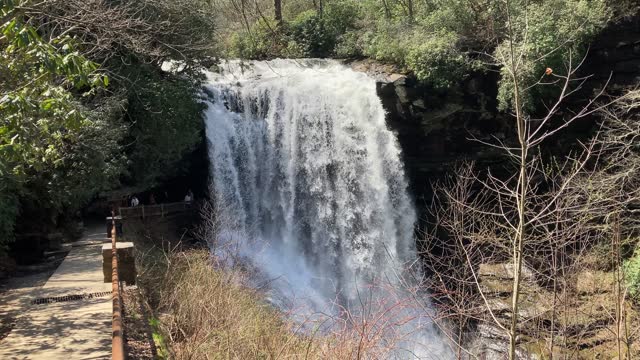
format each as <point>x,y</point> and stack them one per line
<point>189,196</point>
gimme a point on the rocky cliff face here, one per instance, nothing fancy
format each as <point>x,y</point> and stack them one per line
<point>437,129</point>
<point>616,52</point>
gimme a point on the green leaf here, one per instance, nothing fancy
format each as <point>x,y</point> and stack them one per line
<point>47,104</point>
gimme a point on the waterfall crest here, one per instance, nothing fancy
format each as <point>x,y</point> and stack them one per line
<point>311,179</point>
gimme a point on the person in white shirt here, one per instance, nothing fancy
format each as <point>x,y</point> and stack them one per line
<point>134,201</point>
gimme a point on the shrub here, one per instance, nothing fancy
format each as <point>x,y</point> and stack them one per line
<point>47,147</point>
<point>312,35</point>
<point>318,36</point>
<point>261,41</point>
<point>383,44</point>
<point>553,30</point>
<point>436,60</point>
<point>8,213</point>
<point>349,45</point>
<point>340,17</point>
<point>206,312</point>
<point>167,121</point>
<point>631,269</point>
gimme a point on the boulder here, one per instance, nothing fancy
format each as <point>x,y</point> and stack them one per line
<point>54,241</point>
<point>503,271</point>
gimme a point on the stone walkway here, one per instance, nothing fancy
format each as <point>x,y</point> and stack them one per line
<point>68,330</point>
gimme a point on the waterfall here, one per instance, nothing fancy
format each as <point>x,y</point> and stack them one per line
<point>311,185</point>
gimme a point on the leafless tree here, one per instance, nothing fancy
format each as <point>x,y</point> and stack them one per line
<point>544,234</point>
<point>619,187</point>
<point>153,30</point>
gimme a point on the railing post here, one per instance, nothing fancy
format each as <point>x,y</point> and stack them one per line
<point>117,346</point>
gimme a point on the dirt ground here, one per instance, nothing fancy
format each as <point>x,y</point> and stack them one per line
<point>137,334</point>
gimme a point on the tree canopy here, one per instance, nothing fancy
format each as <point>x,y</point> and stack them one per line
<point>85,105</point>
<point>41,118</point>
<point>439,41</point>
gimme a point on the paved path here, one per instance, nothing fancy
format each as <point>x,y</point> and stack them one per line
<point>69,330</point>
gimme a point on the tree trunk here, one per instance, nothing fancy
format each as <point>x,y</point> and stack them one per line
<point>519,236</point>
<point>277,5</point>
<point>387,12</point>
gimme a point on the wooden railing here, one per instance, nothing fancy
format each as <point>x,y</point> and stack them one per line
<point>160,210</point>
<point>117,345</point>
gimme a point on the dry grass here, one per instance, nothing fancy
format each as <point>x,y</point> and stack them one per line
<point>205,313</point>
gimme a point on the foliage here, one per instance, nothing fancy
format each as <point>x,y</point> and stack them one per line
<point>624,9</point>
<point>349,46</point>
<point>37,105</point>
<point>132,45</point>
<point>90,162</point>
<point>159,339</point>
<point>62,137</point>
<point>317,35</point>
<point>632,275</point>
<point>166,122</point>
<point>551,34</point>
<point>258,42</point>
<point>438,42</point>
<point>384,43</point>
<point>310,32</point>
<point>437,61</point>
<point>40,118</point>
<point>152,30</point>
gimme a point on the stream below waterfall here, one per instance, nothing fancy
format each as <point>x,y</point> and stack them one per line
<point>310,192</point>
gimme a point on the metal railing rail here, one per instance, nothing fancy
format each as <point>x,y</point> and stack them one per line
<point>117,346</point>
<point>160,210</point>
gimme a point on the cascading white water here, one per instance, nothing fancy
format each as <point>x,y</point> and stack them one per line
<point>311,182</point>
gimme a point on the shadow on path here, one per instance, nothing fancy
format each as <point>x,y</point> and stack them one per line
<point>77,329</point>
